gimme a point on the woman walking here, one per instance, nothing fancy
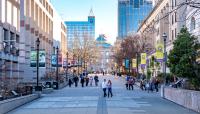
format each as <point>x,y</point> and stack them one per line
<point>109,85</point>
<point>91,80</point>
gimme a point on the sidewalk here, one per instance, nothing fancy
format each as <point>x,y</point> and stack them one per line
<point>90,100</point>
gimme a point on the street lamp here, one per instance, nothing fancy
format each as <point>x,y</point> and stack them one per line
<point>137,65</point>
<point>67,66</point>
<point>165,56</point>
<point>37,64</point>
<point>57,49</point>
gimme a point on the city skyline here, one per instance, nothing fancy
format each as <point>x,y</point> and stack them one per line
<point>101,8</point>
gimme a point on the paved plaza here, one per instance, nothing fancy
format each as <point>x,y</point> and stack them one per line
<point>89,100</point>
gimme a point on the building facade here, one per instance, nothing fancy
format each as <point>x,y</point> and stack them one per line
<point>80,29</point>
<point>193,23</point>
<point>166,17</point>
<point>131,13</point>
<point>104,63</point>
<point>38,19</point>
<point>10,67</point>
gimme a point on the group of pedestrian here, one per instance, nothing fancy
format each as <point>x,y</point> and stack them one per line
<point>107,88</point>
<point>130,81</point>
<point>84,80</point>
<point>149,85</point>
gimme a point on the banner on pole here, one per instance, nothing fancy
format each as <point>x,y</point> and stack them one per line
<point>143,58</point>
<point>42,58</point>
<point>54,60</point>
<point>127,62</point>
<point>134,63</point>
<point>159,52</point>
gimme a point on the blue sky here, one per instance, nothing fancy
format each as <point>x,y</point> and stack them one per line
<point>105,12</point>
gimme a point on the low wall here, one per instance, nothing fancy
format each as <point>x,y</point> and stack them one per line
<point>187,98</point>
<point>10,104</point>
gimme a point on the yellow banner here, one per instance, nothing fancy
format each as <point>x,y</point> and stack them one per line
<point>143,58</point>
<point>159,51</point>
<point>134,63</point>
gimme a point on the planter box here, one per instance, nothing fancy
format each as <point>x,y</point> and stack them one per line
<point>187,98</point>
<point>10,104</point>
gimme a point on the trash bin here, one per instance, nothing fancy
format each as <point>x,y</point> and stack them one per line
<point>48,85</point>
<point>38,88</point>
<point>55,85</point>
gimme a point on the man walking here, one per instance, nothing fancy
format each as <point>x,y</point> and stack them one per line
<point>104,86</point>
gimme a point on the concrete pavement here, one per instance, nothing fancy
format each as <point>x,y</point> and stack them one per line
<point>89,100</point>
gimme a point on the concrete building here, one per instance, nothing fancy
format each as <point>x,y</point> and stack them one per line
<point>193,22</point>
<point>38,19</point>
<point>80,29</point>
<point>104,63</point>
<point>166,17</point>
<point>131,13</point>
<point>163,19</point>
<point>10,66</point>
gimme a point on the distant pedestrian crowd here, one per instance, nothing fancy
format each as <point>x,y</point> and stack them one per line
<point>84,80</point>
<point>149,85</point>
<point>130,82</point>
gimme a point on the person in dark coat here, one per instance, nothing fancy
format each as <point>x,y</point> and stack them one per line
<point>82,81</point>
<point>86,80</point>
<point>70,82</point>
<point>156,84</point>
<point>96,79</point>
<point>76,81</point>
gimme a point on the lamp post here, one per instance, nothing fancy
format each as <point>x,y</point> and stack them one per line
<point>137,61</point>
<point>37,63</point>
<point>165,56</point>
<point>67,66</point>
<point>57,49</point>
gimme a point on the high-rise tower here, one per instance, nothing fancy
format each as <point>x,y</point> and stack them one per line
<point>130,14</point>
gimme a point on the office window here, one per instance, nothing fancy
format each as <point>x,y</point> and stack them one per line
<point>5,34</point>
<point>175,16</point>
<point>193,23</point>
<point>172,3</point>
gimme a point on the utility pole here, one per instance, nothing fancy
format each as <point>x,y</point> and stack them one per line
<point>57,50</point>
<point>165,57</point>
<point>37,64</point>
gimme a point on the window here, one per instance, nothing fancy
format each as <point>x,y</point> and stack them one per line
<point>172,2</point>
<point>175,16</point>
<point>172,35</point>
<point>175,32</point>
<point>5,34</point>
<point>172,19</point>
<point>193,23</point>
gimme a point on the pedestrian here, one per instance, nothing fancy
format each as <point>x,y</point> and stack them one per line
<point>147,86</point>
<point>156,84</point>
<point>130,83</point>
<point>91,80</point>
<point>96,79</point>
<point>70,82</point>
<point>127,81</point>
<point>76,81</point>
<point>104,86</point>
<point>109,86</point>
<point>82,81</point>
<point>86,80</point>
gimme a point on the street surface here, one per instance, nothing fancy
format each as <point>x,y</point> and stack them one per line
<point>90,100</point>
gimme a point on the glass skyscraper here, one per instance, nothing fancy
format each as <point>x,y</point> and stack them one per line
<point>130,14</point>
<point>80,29</point>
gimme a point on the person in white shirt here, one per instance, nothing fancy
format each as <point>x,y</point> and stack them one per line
<point>104,86</point>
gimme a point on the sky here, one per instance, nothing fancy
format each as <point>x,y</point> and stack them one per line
<point>105,12</point>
